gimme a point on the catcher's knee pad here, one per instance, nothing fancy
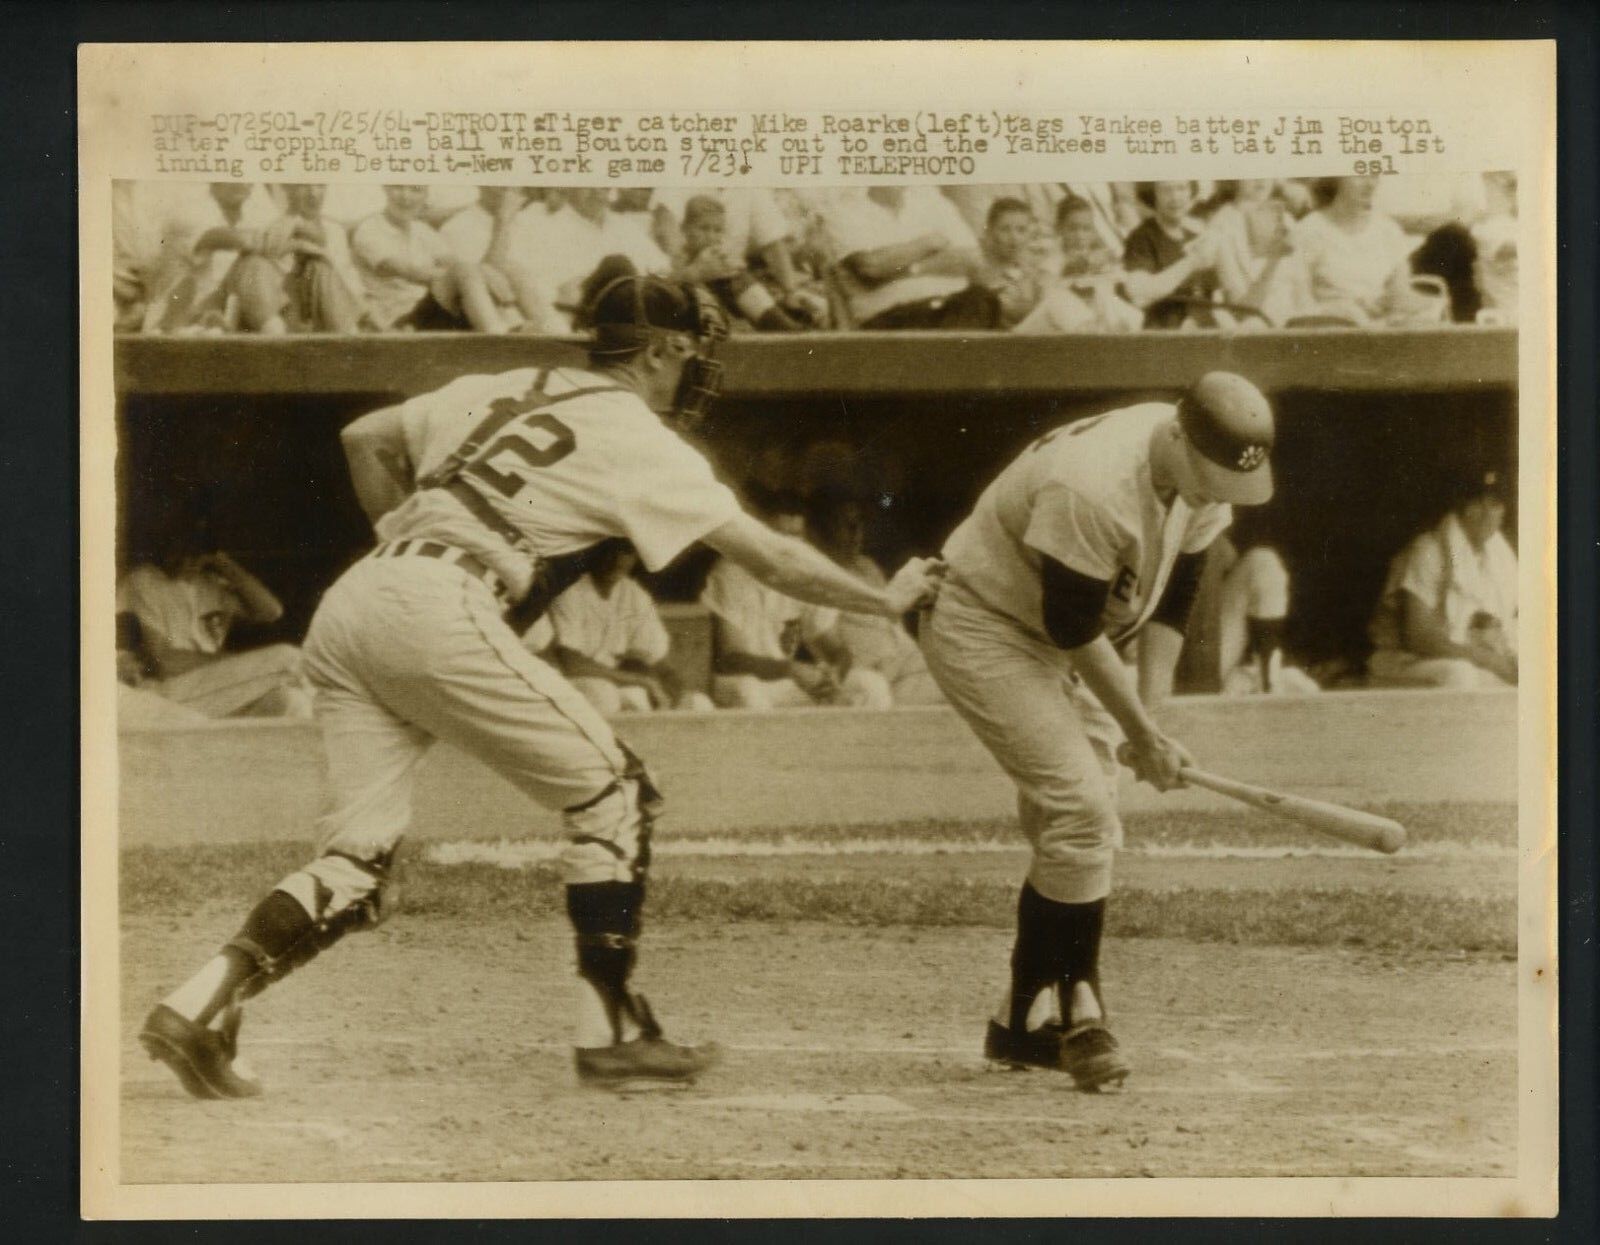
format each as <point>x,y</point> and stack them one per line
<point>608,836</point>
<point>312,909</point>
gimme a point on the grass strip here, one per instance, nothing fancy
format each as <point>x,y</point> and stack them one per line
<point>169,883</point>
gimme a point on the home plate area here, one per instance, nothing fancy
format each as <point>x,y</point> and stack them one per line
<point>1286,1011</point>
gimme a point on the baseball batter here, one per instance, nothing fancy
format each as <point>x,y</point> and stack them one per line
<point>487,496</point>
<point>1093,535</point>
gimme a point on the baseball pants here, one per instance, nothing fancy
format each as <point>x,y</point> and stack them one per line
<point>1020,696</point>
<point>1393,668</point>
<point>260,682</point>
<point>404,651</point>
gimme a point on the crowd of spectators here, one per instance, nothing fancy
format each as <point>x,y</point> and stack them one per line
<point>1399,250</point>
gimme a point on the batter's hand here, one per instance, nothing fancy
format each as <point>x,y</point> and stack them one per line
<point>1156,759</point>
<point>915,585</point>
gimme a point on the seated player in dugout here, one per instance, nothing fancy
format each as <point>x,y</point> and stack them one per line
<point>1447,616</point>
<point>607,637</point>
<point>487,497</point>
<point>179,611</point>
<point>838,525</point>
<point>757,634</point>
<point>1241,613</point>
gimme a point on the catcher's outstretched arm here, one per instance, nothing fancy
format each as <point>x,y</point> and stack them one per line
<point>797,570</point>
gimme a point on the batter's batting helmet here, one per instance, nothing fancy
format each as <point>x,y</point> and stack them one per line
<point>1228,424</point>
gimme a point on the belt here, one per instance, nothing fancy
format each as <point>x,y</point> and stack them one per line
<point>468,562</point>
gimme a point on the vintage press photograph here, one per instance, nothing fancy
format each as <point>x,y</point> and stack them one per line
<point>919,679</point>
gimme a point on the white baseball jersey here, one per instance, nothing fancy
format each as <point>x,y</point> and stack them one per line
<point>774,624</point>
<point>611,629</point>
<point>1082,494</point>
<point>564,474</point>
<point>378,239</point>
<point>469,232</point>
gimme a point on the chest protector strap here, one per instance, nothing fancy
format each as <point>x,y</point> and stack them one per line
<point>551,576</point>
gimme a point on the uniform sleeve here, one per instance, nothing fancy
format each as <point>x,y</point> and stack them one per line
<point>816,620</point>
<point>133,597</point>
<point>373,242</point>
<point>570,624</point>
<point>768,224</point>
<point>727,593</point>
<point>1420,571</point>
<point>854,227</point>
<point>540,636</point>
<point>1076,531</point>
<point>648,641</point>
<point>946,219</point>
<point>668,498</point>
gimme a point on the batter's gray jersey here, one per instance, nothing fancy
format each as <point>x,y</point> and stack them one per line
<point>1081,494</point>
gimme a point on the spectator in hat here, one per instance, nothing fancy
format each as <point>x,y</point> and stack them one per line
<point>1448,613</point>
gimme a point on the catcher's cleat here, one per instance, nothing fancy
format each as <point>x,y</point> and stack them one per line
<point>201,1058</point>
<point>646,1061</point>
<point>1089,1054</point>
<point>1032,1048</point>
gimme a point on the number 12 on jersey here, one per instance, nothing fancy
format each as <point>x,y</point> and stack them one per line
<point>536,441</point>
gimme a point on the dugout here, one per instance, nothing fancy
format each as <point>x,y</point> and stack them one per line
<point>240,434</point>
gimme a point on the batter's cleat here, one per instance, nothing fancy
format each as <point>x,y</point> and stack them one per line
<point>647,1061</point>
<point>1089,1054</point>
<point>1032,1048</point>
<point>201,1058</point>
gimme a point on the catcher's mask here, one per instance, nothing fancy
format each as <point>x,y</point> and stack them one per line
<point>633,311</point>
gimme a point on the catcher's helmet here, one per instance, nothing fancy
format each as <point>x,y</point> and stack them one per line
<point>629,312</point>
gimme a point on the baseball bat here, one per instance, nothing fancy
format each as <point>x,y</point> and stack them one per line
<point>1363,829</point>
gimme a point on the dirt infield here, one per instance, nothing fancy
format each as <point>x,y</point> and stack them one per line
<point>436,1047</point>
<point>436,1052</point>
